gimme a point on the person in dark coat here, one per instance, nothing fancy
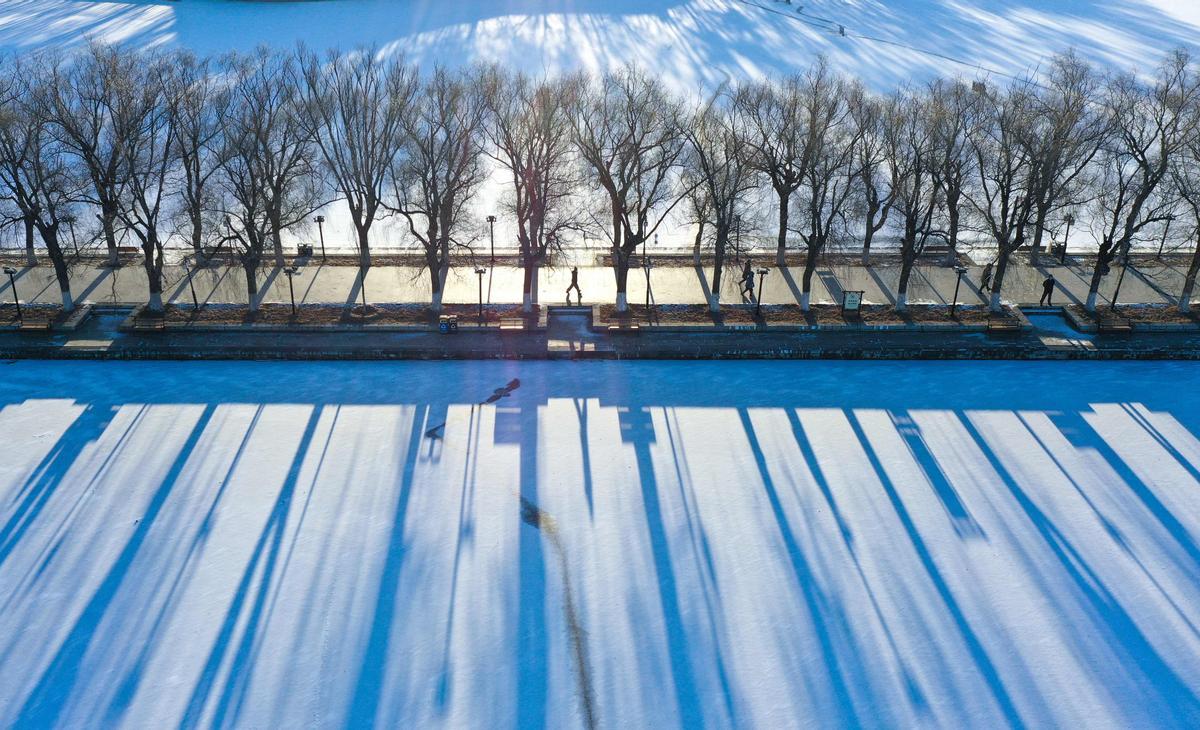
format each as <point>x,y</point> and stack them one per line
<point>574,285</point>
<point>1047,292</point>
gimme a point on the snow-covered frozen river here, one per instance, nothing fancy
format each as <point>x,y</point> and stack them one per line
<point>626,544</point>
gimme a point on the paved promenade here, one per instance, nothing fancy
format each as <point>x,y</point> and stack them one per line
<point>1151,282</point>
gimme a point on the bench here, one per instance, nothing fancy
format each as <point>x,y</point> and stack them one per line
<point>624,327</point>
<point>34,325</point>
<point>1003,325</point>
<point>1114,326</point>
<point>154,324</point>
<point>512,325</point>
<point>129,250</point>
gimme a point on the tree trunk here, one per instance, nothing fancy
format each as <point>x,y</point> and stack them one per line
<point>50,238</point>
<point>906,267</point>
<point>867,238</point>
<point>714,298</point>
<point>1094,288</point>
<point>781,244</point>
<point>364,248</point>
<point>277,241</point>
<point>153,275</point>
<point>529,290</point>
<point>437,282</point>
<point>998,279</point>
<point>1189,282</point>
<point>621,260</point>
<point>197,234</point>
<point>696,245</point>
<point>251,269</point>
<point>810,266</point>
<point>952,234</point>
<point>30,258</point>
<point>108,219</point>
<point>1038,225</point>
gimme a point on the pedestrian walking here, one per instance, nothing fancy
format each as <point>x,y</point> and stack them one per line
<point>748,279</point>
<point>985,279</point>
<point>574,285</point>
<point>1047,292</point>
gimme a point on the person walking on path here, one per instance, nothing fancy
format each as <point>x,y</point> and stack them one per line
<point>1047,292</point>
<point>574,285</point>
<point>748,280</point>
<point>985,279</point>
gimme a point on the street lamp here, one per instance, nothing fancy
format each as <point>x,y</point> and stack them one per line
<point>960,270</point>
<point>646,264</point>
<point>12,281</point>
<point>762,274</point>
<point>480,272</point>
<point>491,219</point>
<point>291,271</point>
<point>320,221</point>
<point>737,239</point>
<point>1062,254</point>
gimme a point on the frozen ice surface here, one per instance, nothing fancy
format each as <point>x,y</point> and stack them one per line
<point>691,43</point>
<point>642,544</point>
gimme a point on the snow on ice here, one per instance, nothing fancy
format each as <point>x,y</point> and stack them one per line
<point>624,544</point>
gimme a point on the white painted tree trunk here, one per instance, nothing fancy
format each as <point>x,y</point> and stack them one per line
<point>901,301</point>
<point>804,300</point>
<point>714,302</point>
<point>156,302</point>
<point>994,302</point>
<point>622,302</point>
<point>1091,302</point>
<point>1185,304</point>
<point>436,303</point>
<point>68,301</point>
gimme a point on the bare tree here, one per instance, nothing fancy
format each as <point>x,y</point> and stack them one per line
<point>15,147</point>
<point>720,164</point>
<point>1001,197</point>
<point>354,106</point>
<point>267,123</point>
<point>777,133</point>
<point>92,101</point>
<point>917,198</point>
<point>530,135</point>
<point>197,110</point>
<point>953,111</point>
<point>875,121</point>
<point>1185,180</point>
<point>148,160</point>
<point>827,173</point>
<point>628,132</point>
<point>441,167</point>
<point>1151,124</point>
<point>34,167</point>
<point>1069,130</point>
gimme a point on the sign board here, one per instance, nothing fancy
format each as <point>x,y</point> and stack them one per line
<point>852,301</point>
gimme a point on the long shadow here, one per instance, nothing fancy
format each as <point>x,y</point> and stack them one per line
<point>533,663</point>
<point>974,646</point>
<point>703,279</point>
<point>687,697</point>
<point>882,286</point>
<point>786,273</point>
<point>960,517</point>
<point>368,685</point>
<point>1166,295</point>
<point>819,604</point>
<point>1123,635</point>
<point>44,706</point>
<point>831,283</point>
<point>581,415</point>
<point>49,474</point>
<point>270,540</point>
<point>83,295</point>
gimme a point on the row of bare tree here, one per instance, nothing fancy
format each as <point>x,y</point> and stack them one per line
<point>237,150</point>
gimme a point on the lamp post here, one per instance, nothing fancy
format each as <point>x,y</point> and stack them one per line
<point>291,271</point>
<point>491,219</point>
<point>480,272</point>
<point>187,268</point>
<point>1062,254</point>
<point>12,281</point>
<point>960,270</point>
<point>762,274</point>
<point>646,264</point>
<point>737,239</point>
<point>320,221</point>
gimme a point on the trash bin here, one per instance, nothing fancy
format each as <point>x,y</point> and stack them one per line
<point>447,323</point>
<point>305,250</point>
